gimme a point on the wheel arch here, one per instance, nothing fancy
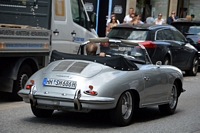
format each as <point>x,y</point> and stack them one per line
<point>32,62</point>
<point>180,86</point>
<point>136,98</point>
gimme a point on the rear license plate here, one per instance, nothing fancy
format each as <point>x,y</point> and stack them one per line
<point>60,83</point>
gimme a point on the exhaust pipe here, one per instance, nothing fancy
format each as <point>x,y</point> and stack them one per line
<point>77,104</point>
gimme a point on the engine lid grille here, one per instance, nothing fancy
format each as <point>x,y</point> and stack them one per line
<point>77,67</point>
<point>63,65</point>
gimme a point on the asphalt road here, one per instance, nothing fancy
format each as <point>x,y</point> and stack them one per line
<point>16,117</point>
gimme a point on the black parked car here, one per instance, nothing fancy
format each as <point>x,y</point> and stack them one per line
<point>191,30</point>
<point>163,43</point>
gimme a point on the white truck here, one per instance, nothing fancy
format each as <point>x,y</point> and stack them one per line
<point>31,29</point>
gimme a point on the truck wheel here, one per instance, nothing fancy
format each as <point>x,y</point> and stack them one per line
<point>168,109</point>
<point>41,112</point>
<point>194,67</point>
<point>23,75</point>
<point>122,114</point>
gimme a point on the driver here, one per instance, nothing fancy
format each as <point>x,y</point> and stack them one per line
<point>91,49</point>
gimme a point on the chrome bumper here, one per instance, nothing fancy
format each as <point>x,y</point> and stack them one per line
<point>64,102</point>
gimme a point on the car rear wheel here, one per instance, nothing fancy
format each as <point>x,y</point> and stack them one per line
<point>23,75</point>
<point>122,114</point>
<point>41,112</point>
<point>194,68</point>
<point>168,109</point>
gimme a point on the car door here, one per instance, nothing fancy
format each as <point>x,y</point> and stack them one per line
<point>184,51</point>
<point>156,84</point>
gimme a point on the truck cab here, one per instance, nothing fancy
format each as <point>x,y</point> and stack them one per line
<point>31,29</point>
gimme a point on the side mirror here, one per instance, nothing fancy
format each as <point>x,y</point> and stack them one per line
<point>93,20</point>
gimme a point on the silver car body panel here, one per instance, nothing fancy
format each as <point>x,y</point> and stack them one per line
<point>152,83</point>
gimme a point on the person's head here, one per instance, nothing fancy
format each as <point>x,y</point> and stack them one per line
<point>159,15</point>
<point>138,17</point>
<point>173,13</point>
<point>131,10</point>
<point>132,15</point>
<point>188,17</point>
<point>192,16</point>
<point>91,48</point>
<point>113,19</point>
<point>112,14</point>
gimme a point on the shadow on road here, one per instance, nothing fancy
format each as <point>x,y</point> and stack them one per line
<point>94,119</point>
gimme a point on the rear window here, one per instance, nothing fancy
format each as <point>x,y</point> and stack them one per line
<point>187,28</point>
<point>126,33</point>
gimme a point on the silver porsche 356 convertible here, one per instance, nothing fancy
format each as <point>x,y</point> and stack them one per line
<point>121,82</point>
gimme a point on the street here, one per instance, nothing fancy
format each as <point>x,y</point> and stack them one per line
<point>16,117</point>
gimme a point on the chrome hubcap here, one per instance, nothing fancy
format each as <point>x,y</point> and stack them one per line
<point>173,97</point>
<point>126,105</point>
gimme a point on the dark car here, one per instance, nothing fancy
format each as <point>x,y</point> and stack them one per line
<point>163,42</point>
<point>191,30</point>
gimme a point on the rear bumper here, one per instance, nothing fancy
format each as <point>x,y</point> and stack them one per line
<point>65,102</point>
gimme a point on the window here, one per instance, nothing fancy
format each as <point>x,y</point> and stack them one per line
<point>160,35</point>
<point>138,35</point>
<point>78,13</point>
<point>178,36</point>
<point>168,35</point>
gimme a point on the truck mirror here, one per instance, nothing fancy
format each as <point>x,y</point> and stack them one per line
<point>93,20</point>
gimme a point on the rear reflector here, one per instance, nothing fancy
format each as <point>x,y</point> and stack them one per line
<point>148,44</point>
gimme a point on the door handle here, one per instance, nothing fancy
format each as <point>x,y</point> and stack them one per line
<point>56,32</point>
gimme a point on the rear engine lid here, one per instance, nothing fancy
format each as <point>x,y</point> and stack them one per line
<point>82,68</point>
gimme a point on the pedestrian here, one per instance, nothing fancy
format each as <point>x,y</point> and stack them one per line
<point>128,18</point>
<point>109,20</point>
<point>134,20</point>
<point>111,24</point>
<point>172,18</point>
<point>150,20</point>
<point>139,19</point>
<point>159,20</point>
<point>192,16</point>
<point>188,17</point>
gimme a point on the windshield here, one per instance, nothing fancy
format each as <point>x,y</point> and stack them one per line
<point>127,33</point>
<point>131,52</point>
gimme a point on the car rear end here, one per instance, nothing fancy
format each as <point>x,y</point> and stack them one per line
<point>138,34</point>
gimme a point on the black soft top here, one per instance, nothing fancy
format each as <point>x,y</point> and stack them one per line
<point>116,62</point>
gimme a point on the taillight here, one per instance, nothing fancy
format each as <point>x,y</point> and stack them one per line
<point>198,41</point>
<point>148,44</point>
<point>105,44</point>
<point>28,86</point>
<point>90,92</point>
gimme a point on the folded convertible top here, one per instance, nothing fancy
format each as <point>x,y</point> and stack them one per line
<point>116,62</point>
